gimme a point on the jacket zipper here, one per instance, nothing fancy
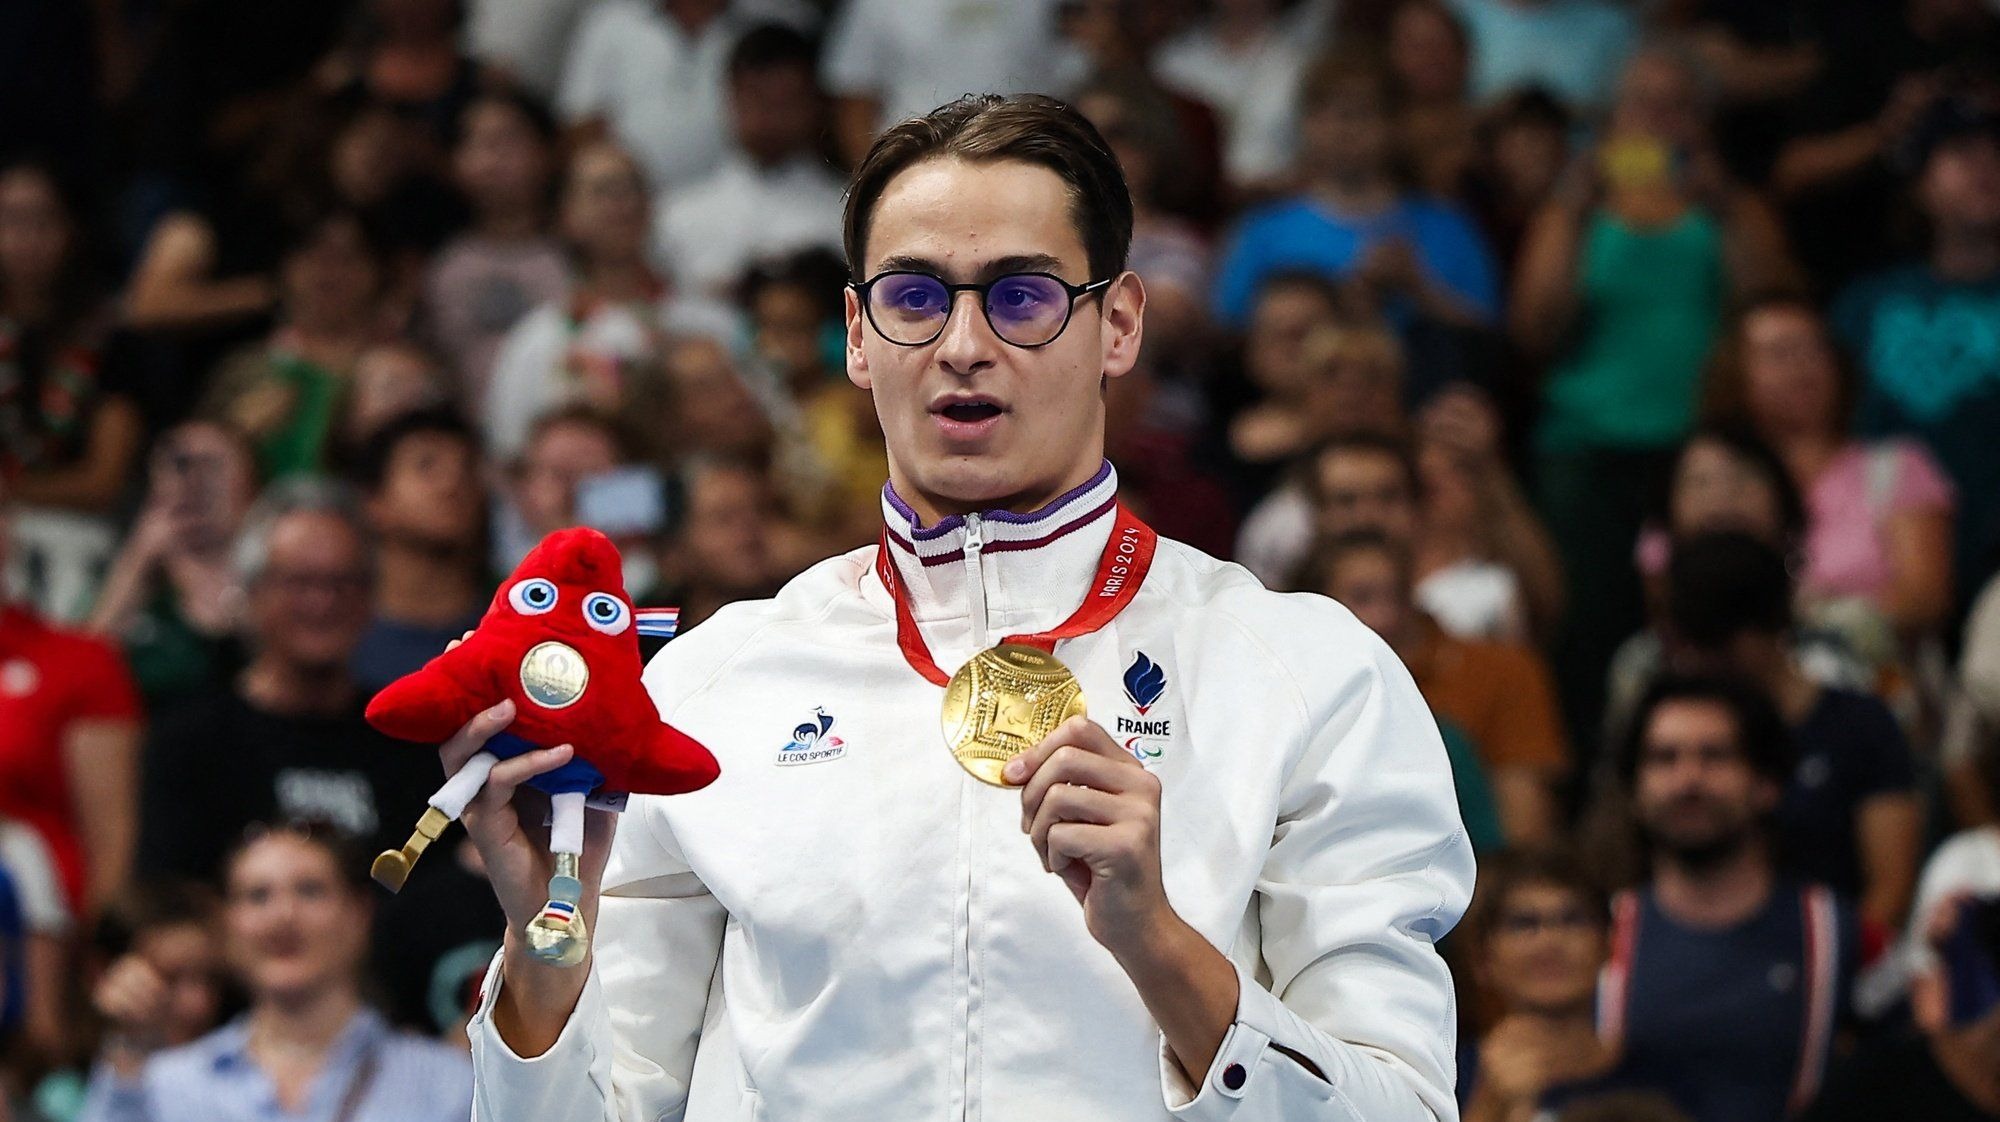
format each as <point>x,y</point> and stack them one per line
<point>975,586</point>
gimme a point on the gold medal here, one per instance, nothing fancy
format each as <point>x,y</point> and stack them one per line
<point>553,675</point>
<point>1003,702</point>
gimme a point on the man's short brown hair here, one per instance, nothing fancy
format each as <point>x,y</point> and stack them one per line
<point>985,128</point>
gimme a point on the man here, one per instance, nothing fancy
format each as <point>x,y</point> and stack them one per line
<point>875,934</point>
<point>774,194</point>
<point>286,738</point>
<point>1500,694</point>
<point>1924,332</point>
<point>1850,817</point>
<point>427,508</point>
<point>720,550</point>
<point>1727,980</point>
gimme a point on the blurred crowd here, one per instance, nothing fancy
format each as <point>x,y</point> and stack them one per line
<point>1631,366</point>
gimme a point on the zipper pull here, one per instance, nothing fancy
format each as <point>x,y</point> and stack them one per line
<point>975,579</point>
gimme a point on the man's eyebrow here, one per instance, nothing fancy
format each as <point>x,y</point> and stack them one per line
<point>998,267</point>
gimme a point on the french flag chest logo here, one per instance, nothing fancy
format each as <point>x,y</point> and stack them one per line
<point>1144,735</point>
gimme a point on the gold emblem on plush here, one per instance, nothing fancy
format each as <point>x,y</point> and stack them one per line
<point>553,675</point>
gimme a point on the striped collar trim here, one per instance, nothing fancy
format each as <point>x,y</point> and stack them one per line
<point>944,542</point>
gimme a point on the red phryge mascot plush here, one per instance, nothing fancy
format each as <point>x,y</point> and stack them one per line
<point>562,642</point>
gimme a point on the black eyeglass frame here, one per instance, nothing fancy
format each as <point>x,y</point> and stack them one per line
<point>951,291</point>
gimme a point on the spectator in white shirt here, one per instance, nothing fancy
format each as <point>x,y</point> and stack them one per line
<point>1245,60</point>
<point>525,39</point>
<point>890,59</point>
<point>775,193</point>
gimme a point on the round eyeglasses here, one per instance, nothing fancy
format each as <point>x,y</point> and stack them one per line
<point>910,309</point>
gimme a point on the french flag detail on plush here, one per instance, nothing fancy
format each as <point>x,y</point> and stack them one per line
<point>657,623</point>
<point>1145,681</point>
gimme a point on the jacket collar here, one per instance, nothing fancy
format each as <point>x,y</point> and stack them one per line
<point>1033,569</point>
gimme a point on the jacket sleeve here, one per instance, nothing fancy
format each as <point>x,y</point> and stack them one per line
<point>1369,866</point>
<point>627,1053</point>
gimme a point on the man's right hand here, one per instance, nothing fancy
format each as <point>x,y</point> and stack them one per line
<point>508,824</point>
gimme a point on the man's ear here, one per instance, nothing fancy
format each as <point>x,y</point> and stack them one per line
<point>857,359</point>
<point>1123,323</point>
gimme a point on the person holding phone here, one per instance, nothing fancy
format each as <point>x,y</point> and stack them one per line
<point>1229,911</point>
<point>1948,1068</point>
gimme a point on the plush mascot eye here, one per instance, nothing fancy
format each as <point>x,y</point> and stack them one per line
<point>533,597</point>
<point>606,613</point>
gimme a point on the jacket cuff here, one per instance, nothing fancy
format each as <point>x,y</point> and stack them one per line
<point>513,1084</point>
<point>1249,1078</point>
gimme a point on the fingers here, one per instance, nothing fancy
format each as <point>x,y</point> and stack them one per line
<point>508,775</point>
<point>1066,802</point>
<point>1073,765</point>
<point>467,741</point>
<point>1077,732</point>
<point>1099,848</point>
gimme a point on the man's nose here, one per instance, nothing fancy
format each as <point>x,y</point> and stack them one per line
<point>968,343</point>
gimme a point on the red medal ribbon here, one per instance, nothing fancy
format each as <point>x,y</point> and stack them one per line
<point>1120,572</point>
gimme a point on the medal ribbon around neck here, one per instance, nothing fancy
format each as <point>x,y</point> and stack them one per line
<point>1120,571</point>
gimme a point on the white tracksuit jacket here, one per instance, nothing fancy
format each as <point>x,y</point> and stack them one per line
<point>847,926</point>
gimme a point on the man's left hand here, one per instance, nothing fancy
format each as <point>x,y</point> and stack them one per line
<point>1093,813</point>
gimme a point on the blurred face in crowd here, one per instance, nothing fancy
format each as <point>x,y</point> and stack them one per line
<point>714,411</point>
<point>1347,136</point>
<point>1960,186</point>
<point>775,110</point>
<point>389,381</point>
<point>1365,489</point>
<point>501,162</point>
<point>1714,488</point>
<point>1358,375</point>
<point>1791,376</point>
<point>1658,98</point>
<point>970,420</point>
<point>605,212</point>
<point>295,928</point>
<point>309,606</point>
<point>205,479</point>
<point>35,231</point>
<point>1274,349</point>
<point>331,279</point>
<point>416,19</point>
<point>561,456</point>
<point>1427,51</point>
<point>1695,793</point>
<point>369,156</point>
<point>1371,584</point>
<point>789,319</point>
<point>185,957</point>
<point>1526,156</point>
<point>431,497</point>
<point>1544,949</point>
<point>725,540</point>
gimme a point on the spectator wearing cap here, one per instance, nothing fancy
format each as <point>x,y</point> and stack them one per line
<point>1728,978</point>
<point>1923,332</point>
<point>295,925</point>
<point>773,192</point>
<point>1850,817</point>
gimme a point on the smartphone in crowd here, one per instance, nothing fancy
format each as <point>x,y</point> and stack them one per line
<point>623,502</point>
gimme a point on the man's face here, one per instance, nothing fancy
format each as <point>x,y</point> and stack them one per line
<point>1694,792</point>
<point>1368,584</point>
<point>725,538</point>
<point>970,420</point>
<point>1960,187</point>
<point>430,494</point>
<point>1365,489</point>
<point>563,456</point>
<point>605,212</point>
<point>1545,949</point>
<point>1274,352</point>
<point>775,110</point>
<point>311,604</point>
